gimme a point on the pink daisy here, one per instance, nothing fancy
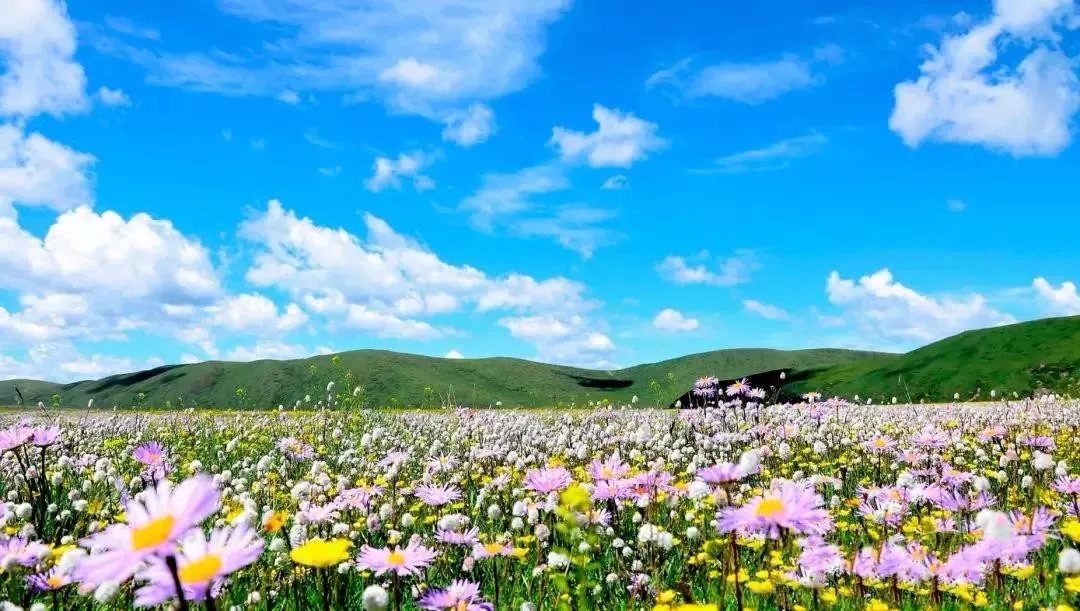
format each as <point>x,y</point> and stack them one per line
<point>408,560</point>
<point>436,495</point>
<point>201,564</point>
<point>794,507</point>
<point>548,479</point>
<point>460,596</point>
<point>153,525</point>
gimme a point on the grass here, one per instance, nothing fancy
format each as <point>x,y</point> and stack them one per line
<point>397,379</point>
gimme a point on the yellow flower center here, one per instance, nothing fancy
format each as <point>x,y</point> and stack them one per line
<point>607,472</point>
<point>395,558</point>
<point>880,443</point>
<point>493,548</point>
<point>55,581</point>
<point>770,508</point>
<point>153,533</point>
<point>202,570</point>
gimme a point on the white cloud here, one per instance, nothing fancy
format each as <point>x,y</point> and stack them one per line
<point>966,95</point>
<point>670,319</point>
<point>258,144</point>
<point>754,83</point>
<point>98,276</point>
<point>569,340</point>
<point>508,194</point>
<point>765,310</point>
<point>37,50</point>
<point>884,308</point>
<point>956,205</point>
<point>453,354</point>
<point>106,255</point>
<point>269,350</point>
<point>127,27</point>
<point>388,172</point>
<point>732,270</point>
<point>617,182</point>
<point>1062,300</point>
<point>112,97</point>
<point>379,283</point>
<point>507,202</point>
<point>776,156</point>
<point>35,171</point>
<point>62,362</point>
<point>289,96</point>
<point>313,137</point>
<point>619,140</point>
<point>574,227</point>
<point>330,171</point>
<point>470,126</point>
<point>415,56</point>
<point>671,75</point>
<point>254,313</point>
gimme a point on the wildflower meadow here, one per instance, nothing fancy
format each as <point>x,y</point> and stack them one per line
<point>739,504</point>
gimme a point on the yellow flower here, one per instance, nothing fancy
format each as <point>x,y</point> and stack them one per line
<point>1071,529</point>
<point>321,554</point>
<point>275,521</point>
<point>761,587</point>
<point>666,596</point>
<point>575,497</point>
<point>1072,584</point>
<point>877,605</point>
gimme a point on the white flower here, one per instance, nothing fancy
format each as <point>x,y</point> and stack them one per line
<point>558,560</point>
<point>1069,561</point>
<point>1042,462</point>
<point>375,598</point>
<point>995,524</point>
<point>106,591</point>
<point>647,533</point>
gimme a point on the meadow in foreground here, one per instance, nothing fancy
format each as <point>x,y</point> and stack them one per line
<point>820,505</point>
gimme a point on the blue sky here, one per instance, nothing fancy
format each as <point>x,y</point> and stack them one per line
<point>597,184</point>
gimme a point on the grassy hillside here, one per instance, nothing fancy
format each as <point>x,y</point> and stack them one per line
<point>391,378</point>
<point>1025,357</point>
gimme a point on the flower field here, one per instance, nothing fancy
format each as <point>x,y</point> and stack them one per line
<point>820,505</point>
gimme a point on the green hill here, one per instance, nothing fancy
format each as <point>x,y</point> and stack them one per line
<point>391,378</point>
<point>1022,358</point>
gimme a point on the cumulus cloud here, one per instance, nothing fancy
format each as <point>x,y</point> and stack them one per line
<point>733,270</point>
<point>469,127</point>
<point>62,362</point>
<point>37,50</point>
<point>620,140</point>
<point>670,319</point>
<point>381,284</point>
<point>966,94</point>
<point>36,171</point>
<point>388,172</point>
<point>1062,300</point>
<point>112,97</point>
<point>883,308</point>
<point>269,350</point>
<point>564,339</point>
<point>453,354</point>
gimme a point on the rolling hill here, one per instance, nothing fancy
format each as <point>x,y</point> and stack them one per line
<point>1023,358</point>
<point>391,378</point>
